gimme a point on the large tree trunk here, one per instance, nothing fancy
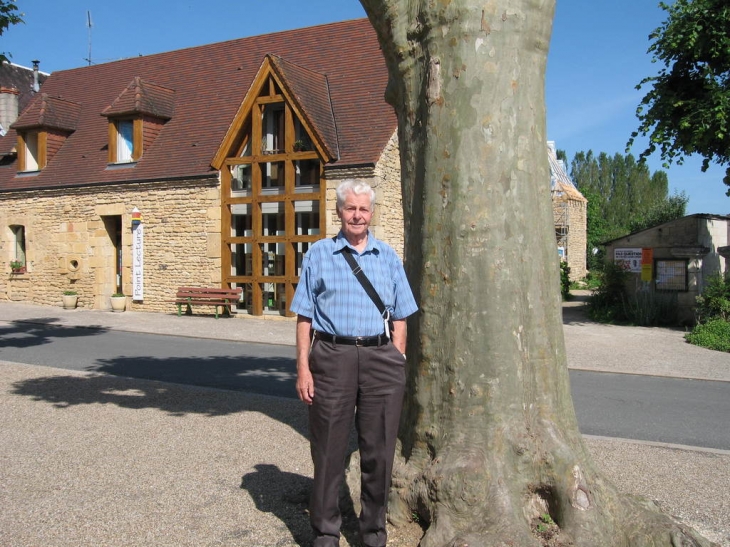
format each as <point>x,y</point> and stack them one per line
<point>489,438</point>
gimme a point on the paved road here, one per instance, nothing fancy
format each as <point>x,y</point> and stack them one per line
<point>669,410</point>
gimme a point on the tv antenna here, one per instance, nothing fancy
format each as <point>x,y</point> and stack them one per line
<point>89,24</point>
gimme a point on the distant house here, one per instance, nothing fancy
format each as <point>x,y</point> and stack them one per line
<point>570,216</point>
<point>18,85</point>
<point>208,166</point>
<point>677,257</point>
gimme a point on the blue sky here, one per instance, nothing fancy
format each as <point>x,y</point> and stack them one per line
<point>597,56</point>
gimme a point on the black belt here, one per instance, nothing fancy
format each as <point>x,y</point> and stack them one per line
<point>362,341</point>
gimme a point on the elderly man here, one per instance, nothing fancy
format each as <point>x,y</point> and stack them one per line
<point>351,361</point>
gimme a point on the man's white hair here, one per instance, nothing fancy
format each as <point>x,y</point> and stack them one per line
<point>357,188</point>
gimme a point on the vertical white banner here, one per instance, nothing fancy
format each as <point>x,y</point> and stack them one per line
<point>138,262</point>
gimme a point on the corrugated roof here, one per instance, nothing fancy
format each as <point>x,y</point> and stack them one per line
<point>209,83</point>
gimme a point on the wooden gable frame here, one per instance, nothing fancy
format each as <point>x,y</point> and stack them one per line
<point>260,93</point>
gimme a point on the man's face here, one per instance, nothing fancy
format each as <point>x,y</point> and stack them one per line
<point>355,215</point>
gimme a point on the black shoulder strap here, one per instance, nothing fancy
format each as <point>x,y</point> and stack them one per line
<point>363,279</point>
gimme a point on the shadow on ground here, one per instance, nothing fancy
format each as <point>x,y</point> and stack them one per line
<point>23,334</point>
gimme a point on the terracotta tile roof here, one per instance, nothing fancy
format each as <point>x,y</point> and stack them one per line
<point>311,91</point>
<point>209,83</point>
<point>142,97</point>
<point>51,113</point>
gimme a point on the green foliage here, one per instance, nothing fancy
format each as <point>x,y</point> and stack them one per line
<point>687,108</point>
<point>612,303</point>
<point>591,281</point>
<point>16,264</point>
<point>622,194</point>
<point>564,279</point>
<point>674,207</point>
<point>715,334</point>
<point>9,15</point>
<point>648,308</point>
<point>70,293</point>
<point>606,303</point>
<point>714,302</point>
<point>712,312</point>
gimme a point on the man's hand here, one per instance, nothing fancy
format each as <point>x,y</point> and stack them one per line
<point>305,382</point>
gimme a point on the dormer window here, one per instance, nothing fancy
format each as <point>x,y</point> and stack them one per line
<point>42,130</point>
<point>30,157</point>
<point>122,145</point>
<point>136,117</point>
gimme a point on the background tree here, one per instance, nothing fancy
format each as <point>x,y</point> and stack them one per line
<point>623,197</point>
<point>687,108</point>
<point>489,438</point>
<point>9,15</point>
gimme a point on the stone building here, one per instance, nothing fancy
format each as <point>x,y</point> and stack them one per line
<point>209,166</point>
<point>570,214</point>
<point>676,258</point>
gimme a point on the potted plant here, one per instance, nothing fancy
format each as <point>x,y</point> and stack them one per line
<point>70,299</point>
<point>119,301</point>
<point>299,146</point>
<point>16,266</point>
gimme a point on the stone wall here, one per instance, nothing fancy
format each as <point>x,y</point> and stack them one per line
<point>69,244</point>
<point>577,239</point>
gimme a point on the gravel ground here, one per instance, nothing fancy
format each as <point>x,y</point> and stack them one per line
<point>94,460</point>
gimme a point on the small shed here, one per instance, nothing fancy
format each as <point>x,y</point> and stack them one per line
<point>679,256</point>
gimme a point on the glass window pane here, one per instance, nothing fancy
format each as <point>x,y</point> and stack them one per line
<point>125,140</point>
<point>671,275</point>
<point>18,243</point>
<point>301,249</point>
<point>306,217</point>
<point>240,180</point>
<point>306,175</point>
<point>272,177</point>
<point>241,220</point>
<point>274,298</point>
<point>273,219</point>
<point>241,259</point>
<point>31,151</point>
<point>245,302</point>
<point>272,127</point>
<point>273,257</point>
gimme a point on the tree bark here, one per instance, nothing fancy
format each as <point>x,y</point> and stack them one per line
<point>489,437</point>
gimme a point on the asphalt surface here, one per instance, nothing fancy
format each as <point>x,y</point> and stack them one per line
<point>671,410</point>
<point>90,459</point>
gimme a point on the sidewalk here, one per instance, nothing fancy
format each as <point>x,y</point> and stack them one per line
<point>89,460</point>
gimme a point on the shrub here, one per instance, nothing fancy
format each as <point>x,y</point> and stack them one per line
<point>714,302</point>
<point>715,334</point>
<point>651,308</point>
<point>607,302</point>
<point>564,280</point>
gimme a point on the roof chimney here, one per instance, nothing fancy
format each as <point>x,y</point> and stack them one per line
<point>8,108</point>
<point>36,87</point>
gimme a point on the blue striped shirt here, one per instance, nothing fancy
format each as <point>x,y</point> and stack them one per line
<point>330,294</point>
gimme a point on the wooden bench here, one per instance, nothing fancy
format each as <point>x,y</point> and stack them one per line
<point>201,296</point>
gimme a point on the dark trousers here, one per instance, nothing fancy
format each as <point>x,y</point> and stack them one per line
<point>367,382</point>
